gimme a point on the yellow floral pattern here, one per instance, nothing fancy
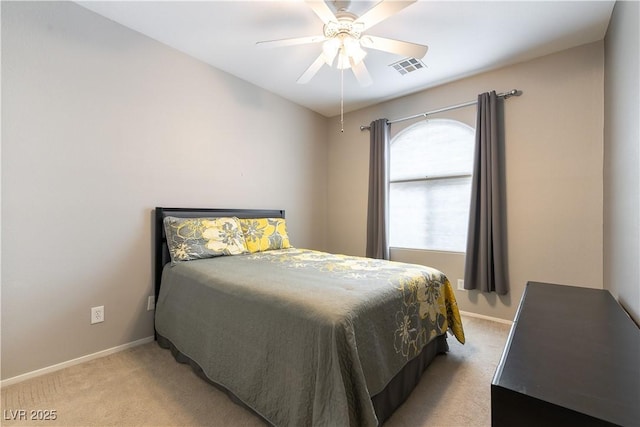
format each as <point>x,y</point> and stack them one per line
<point>264,234</point>
<point>429,308</point>
<point>196,238</point>
<point>427,305</point>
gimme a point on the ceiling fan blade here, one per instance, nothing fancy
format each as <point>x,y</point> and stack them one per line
<point>382,11</point>
<point>361,73</point>
<point>290,42</point>
<point>399,47</point>
<point>322,10</point>
<point>312,70</point>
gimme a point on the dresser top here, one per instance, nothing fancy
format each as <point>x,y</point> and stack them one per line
<point>576,348</point>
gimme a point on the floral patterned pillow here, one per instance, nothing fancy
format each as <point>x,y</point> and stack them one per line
<point>195,238</point>
<point>263,234</point>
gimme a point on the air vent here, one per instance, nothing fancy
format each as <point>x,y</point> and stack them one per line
<point>408,65</point>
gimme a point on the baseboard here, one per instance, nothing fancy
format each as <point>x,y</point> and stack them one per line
<point>482,316</point>
<point>72,362</point>
<point>103,353</point>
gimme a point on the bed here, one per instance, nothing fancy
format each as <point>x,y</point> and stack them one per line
<point>299,337</point>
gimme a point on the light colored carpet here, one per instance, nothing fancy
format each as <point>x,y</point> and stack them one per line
<point>145,386</point>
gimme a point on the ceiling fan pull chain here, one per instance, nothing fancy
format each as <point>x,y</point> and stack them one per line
<point>342,100</point>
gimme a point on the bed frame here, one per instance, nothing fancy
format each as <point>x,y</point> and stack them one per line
<point>385,402</point>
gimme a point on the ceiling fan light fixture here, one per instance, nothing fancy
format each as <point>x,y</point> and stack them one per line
<point>346,48</point>
<point>330,50</point>
<point>343,60</point>
<point>353,49</point>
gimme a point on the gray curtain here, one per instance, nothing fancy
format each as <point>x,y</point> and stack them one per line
<point>485,262</point>
<point>377,241</point>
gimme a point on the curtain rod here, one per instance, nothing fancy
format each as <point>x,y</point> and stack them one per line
<point>505,95</point>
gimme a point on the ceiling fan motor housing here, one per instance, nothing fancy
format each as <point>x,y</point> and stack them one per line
<point>345,25</point>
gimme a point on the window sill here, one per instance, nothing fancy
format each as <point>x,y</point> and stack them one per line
<point>440,251</point>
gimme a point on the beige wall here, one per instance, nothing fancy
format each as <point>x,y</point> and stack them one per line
<point>622,157</point>
<point>99,125</point>
<point>554,154</point>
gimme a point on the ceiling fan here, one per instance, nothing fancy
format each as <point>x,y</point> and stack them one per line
<point>343,38</point>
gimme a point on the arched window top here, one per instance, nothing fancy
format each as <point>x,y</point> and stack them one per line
<point>434,147</point>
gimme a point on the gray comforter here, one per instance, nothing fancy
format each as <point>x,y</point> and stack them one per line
<point>304,337</point>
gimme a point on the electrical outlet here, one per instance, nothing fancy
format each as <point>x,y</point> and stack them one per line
<point>461,285</point>
<point>151,303</point>
<point>97,314</point>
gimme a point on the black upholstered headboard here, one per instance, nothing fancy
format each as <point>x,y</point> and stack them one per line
<point>162,256</point>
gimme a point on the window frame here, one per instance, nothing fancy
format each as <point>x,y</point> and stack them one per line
<point>432,177</point>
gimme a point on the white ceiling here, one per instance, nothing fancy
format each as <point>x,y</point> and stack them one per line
<point>464,38</point>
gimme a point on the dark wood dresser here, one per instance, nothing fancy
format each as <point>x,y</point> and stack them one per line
<point>572,359</point>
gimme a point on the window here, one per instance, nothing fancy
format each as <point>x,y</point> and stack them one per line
<point>430,170</point>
